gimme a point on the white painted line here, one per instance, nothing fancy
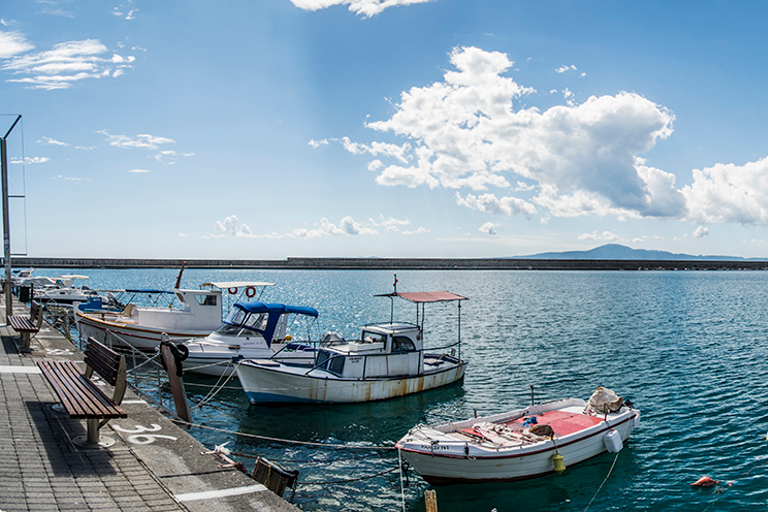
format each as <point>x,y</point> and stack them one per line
<point>133,402</point>
<point>209,495</point>
<point>20,369</point>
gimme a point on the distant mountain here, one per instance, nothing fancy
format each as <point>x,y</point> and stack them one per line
<point>621,252</point>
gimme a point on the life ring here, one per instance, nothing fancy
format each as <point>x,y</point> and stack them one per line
<point>250,292</point>
<point>233,290</point>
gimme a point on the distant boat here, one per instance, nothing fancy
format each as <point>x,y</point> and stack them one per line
<point>520,444</point>
<point>252,330</point>
<point>198,314</point>
<point>389,360</point>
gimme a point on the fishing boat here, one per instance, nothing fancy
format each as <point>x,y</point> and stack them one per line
<point>252,330</point>
<point>388,360</point>
<point>521,444</point>
<point>194,314</point>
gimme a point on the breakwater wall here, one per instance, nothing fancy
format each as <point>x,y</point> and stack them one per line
<point>392,264</point>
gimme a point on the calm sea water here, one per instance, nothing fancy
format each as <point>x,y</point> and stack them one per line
<point>689,349</point>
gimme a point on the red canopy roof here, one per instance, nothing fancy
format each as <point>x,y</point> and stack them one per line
<point>430,296</point>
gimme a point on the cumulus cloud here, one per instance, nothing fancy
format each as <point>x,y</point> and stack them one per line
<point>141,141</point>
<point>138,171</point>
<point>365,8</point>
<point>61,67</point>
<point>469,131</point>
<point>420,231</point>
<point>563,69</point>
<point>729,193</point>
<point>607,236</point>
<point>233,227</point>
<point>701,232</point>
<point>30,160</point>
<point>489,228</point>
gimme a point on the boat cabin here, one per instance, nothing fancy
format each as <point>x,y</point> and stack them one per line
<point>269,321</point>
<point>198,307</point>
<point>383,350</point>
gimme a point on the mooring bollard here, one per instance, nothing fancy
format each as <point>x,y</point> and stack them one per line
<point>430,500</point>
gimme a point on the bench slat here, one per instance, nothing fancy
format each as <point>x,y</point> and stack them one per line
<point>81,398</point>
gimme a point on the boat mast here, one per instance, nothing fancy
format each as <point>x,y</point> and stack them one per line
<point>6,220</point>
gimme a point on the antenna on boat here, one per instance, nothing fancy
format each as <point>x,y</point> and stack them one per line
<point>178,278</point>
<point>392,301</point>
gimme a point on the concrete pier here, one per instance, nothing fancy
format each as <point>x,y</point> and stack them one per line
<point>153,466</point>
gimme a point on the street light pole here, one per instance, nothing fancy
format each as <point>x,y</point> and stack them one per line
<point>6,221</point>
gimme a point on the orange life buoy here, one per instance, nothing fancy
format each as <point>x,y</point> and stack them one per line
<point>233,290</point>
<point>250,292</point>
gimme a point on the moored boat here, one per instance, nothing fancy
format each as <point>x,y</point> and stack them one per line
<point>197,314</point>
<point>251,330</point>
<point>388,360</point>
<point>520,444</point>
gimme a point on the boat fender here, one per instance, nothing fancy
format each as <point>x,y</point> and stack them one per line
<point>176,357</point>
<point>183,351</point>
<point>233,290</point>
<point>250,292</point>
<point>612,441</point>
<point>558,463</point>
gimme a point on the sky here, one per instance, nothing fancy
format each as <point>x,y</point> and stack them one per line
<point>266,129</point>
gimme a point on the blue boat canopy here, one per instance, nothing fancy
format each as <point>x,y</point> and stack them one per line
<point>273,311</point>
<point>261,307</point>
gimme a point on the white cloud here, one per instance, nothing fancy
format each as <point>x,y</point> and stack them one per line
<point>138,171</point>
<point>317,143</point>
<point>141,141</point>
<point>563,69</point>
<point>65,64</point>
<point>701,232</point>
<point>489,228</point>
<point>391,224</point>
<point>420,231</point>
<point>30,160</point>
<point>233,227</point>
<point>607,236</point>
<point>182,235</point>
<point>68,178</point>
<point>489,203</point>
<point>466,132</point>
<point>52,142</point>
<point>365,8</point>
<point>729,193</point>
<point>13,43</point>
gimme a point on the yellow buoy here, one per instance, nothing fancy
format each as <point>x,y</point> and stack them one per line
<point>559,465</point>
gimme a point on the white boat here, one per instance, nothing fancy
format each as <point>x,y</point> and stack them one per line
<point>64,293</point>
<point>520,444</point>
<point>198,314</point>
<point>389,360</point>
<point>252,330</point>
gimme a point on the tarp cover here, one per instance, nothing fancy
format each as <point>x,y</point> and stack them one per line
<point>430,296</point>
<point>603,400</point>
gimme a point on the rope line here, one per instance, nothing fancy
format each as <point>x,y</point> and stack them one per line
<point>287,441</point>
<point>606,479</point>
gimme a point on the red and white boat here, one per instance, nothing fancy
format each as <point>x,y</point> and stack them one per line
<point>520,444</point>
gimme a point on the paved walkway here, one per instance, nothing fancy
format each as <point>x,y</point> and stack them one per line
<point>154,465</point>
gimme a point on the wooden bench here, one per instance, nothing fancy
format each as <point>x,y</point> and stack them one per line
<point>81,397</point>
<point>26,326</point>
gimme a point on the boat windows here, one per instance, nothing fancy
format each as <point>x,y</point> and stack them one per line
<point>402,344</point>
<point>240,323</point>
<point>205,299</point>
<point>373,337</point>
<point>336,365</point>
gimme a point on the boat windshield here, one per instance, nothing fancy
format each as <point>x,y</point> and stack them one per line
<point>241,323</point>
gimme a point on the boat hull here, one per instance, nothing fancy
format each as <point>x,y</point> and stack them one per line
<point>113,332</point>
<point>263,384</point>
<point>441,462</point>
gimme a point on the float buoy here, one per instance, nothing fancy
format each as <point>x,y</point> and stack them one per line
<point>250,292</point>
<point>704,481</point>
<point>233,290</point>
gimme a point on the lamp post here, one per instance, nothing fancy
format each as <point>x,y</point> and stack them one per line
<point>6,221</point>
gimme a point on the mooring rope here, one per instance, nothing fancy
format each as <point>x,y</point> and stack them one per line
<point>606,479</point>
<point>214,391</point>
<point>287,441</point>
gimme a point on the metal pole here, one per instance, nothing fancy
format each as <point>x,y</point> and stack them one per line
<point>6,222</point>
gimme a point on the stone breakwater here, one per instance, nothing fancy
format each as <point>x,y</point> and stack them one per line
<point>393,264</point>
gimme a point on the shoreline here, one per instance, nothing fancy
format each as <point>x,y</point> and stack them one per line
<point>392,264</point>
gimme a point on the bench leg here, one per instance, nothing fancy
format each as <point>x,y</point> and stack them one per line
<point>26,343</point>
<point>93,430</point>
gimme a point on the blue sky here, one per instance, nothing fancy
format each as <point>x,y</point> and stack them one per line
<point>391,128</point>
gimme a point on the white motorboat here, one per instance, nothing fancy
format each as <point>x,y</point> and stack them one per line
<point>64,293</point>
<point>252,330</point>
<point>520,444</point>
<point>198,313</point>
<point>389,360</point>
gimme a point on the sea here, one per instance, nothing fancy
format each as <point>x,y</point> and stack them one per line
<point>689,348</point>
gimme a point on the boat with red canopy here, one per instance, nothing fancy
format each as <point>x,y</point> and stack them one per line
<point>388,360</point>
